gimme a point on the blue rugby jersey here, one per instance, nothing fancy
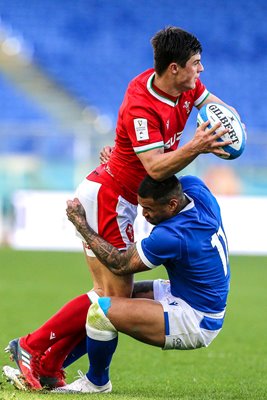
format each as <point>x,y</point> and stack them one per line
<point>193,248</point>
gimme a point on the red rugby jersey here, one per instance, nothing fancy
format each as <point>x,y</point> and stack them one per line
<point>147,119</point>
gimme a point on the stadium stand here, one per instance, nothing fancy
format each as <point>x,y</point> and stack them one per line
<point>91,49</point>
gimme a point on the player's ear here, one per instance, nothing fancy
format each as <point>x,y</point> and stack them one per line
<point>174,68</point>
<point>173,204</point>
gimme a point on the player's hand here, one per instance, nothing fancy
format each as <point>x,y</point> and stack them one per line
<point>206,139</point>
<point>76,213</point>
<point>105,154</point>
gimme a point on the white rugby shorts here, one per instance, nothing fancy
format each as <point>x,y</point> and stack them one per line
<point>185,327</point>
<point>108,213</point>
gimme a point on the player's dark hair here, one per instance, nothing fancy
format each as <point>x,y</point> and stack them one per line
<point>173,44</point>
<point>163,191</point>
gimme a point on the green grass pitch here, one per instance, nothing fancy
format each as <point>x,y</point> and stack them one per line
<point>35,284</point>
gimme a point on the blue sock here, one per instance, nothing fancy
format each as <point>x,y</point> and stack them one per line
<point>76,353</point>
<point>100,354</point>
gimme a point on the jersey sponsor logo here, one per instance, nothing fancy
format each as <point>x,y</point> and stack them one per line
<point>141,131</point>
<point>176,137</point>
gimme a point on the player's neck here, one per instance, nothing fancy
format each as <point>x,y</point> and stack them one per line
<point>184,202</point>
<point>165,85</point>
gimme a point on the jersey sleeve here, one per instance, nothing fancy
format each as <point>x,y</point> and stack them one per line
<point>159,247</point>
<point>201,93</point>
<point>143,129</point>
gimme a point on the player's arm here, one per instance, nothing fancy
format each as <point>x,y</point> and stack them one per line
<point>120,263</point>
<point>160,165</point>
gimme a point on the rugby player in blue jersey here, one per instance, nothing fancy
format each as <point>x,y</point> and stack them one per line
<point>186,312</point>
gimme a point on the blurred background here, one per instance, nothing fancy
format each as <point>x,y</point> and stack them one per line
<point>64,68</point>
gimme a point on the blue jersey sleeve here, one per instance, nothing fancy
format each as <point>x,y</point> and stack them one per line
<point>190,181</point>
<point>161,246</point>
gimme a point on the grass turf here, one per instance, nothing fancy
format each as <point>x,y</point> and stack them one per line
<point>34,285</point>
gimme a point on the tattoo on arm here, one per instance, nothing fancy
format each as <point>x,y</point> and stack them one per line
<point>120,263</point>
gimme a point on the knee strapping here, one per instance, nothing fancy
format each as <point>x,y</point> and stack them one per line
<point>104,303</point>
<point>93,296</point>
<point>98,326</point>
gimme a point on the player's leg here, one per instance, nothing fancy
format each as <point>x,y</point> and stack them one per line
<point>169,323</point>
<point>110,215</point>
<point>65,353</point>
<point>58,356</point>
<point>77,352</point>
<point>106,283</point>
<point>142,289</point>
<point>28,351</point>
<point>71,353</point>
<point>142,319</point>
<point>114,222</point>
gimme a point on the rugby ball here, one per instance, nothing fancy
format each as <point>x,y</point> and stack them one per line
<point>215,112</point>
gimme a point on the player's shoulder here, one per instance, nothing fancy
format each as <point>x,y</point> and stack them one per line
<point>188,181</point>
<point>195,188</point>
<point>139,83</point>
<point>143,76</point>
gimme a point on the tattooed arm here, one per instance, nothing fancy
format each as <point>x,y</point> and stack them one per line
<point>120,263</point>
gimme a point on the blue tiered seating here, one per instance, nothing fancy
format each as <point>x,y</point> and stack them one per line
<point>94,48</point>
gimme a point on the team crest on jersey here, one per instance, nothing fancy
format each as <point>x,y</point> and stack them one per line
<point>130,232</point>
<point>187,106</point>
<point>141,130</point>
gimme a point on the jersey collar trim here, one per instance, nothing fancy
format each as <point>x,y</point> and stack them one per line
<point>157,95</point>
<point>190,205</point>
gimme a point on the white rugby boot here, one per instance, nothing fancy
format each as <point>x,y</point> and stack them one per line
<point>13,376</point>
<point>83,385</point>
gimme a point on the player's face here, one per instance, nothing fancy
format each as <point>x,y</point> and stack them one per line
<point>155,212</point>
<point>187,76</point>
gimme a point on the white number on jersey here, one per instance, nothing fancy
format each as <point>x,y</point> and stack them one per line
<point>222,250</point>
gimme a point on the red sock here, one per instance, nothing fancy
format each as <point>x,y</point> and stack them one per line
<point>56,355</point>
<point>69,320</point>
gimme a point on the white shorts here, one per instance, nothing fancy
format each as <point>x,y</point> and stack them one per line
<point>108,213</point>
<point>185,327</point>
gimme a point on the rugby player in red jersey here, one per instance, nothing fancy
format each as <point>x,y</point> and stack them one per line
<point>151,120</point>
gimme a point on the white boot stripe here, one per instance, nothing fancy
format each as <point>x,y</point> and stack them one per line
<point>25,354</point>
<point>26,365</point>
<point>25,360</point>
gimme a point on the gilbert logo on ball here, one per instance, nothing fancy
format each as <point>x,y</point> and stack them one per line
<point>215,112</point>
